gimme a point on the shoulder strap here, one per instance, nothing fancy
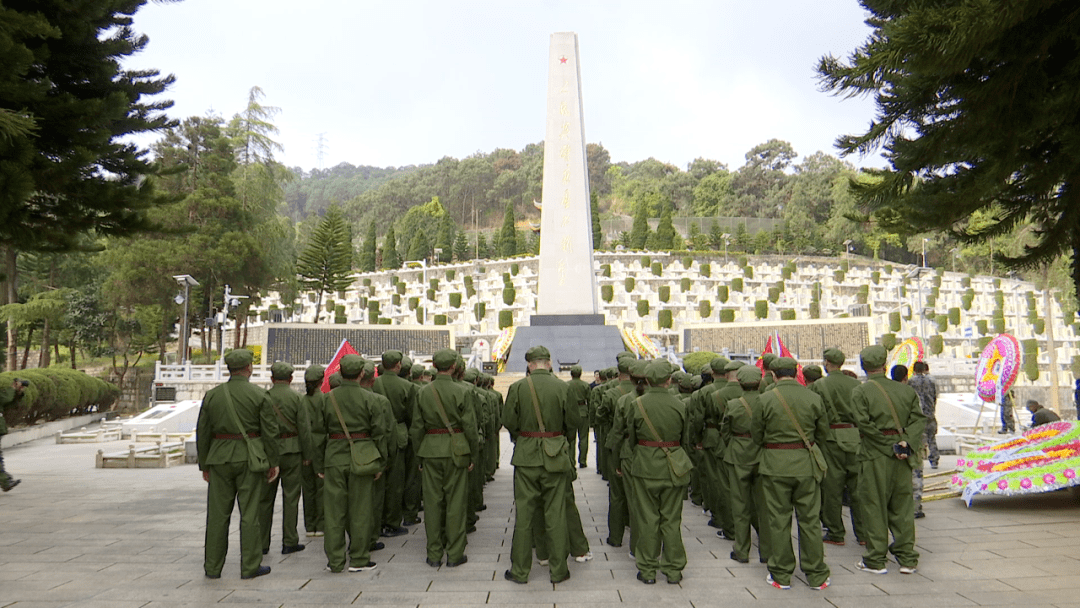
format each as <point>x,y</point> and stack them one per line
<point>341,419</point>
<point>232,412</point>
<point>288,423</point>
<point>442,411</point>
<point>787,409</point>
<point>536,404</point>
<point>747,406</point>
<point>892,408</point>
<point>652,429</point>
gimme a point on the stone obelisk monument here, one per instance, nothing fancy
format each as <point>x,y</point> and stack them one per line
<point>566,320</point>
<point>567,283</point>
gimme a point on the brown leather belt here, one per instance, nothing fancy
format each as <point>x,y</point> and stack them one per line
<point>442,431</point>
<point>890,432</point>
<point>740,434</point>
<point>351,435</point>
<point>786,446</point>
<point>287,435</point>
<point>234,435</point>
<point>843,425</point>
<point>658,444</point>
<point>538,434</point>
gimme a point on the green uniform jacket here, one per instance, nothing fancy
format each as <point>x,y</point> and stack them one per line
<point>605,412</point>
<point>668,415</point>
<point>579,395</point>
<point>519,415</point>
<point>715,406</point>
<point>256,415</point>
<point>456,399</point>
<point>316,414</point>
<point>873,415</point>
<point>362,413</point>
<point>401,393</point>
<point>835,390</point>
<point>775,427</point>
<point>739,446</point>
<point>617,439</point>
<point>292,417</point>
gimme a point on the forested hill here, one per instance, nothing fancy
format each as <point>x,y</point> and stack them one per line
<point>311,192</point>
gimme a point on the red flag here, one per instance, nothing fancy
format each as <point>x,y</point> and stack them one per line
<point>335,363</point>
<point>773,344</point>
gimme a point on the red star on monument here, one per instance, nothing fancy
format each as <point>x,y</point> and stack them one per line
<point>562,59</point>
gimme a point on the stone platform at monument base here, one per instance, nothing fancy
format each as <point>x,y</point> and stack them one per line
<point>592,346</point>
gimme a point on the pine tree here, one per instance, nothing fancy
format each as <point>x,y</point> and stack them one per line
<point>482,250</point>
<point>461,247</point>
<point>368,249</point>
<point>976,112</point>
<point>445,240</point>
<point>325,264</point>
<point>665,232</point>
<point>594,212</point>
<point>419,248</point>
<point>639,232</point>
<point>507,241</point>
<point>716,236</point>
<point>390,257</point>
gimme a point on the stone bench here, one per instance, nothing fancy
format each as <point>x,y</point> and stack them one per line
<point>111,433</point>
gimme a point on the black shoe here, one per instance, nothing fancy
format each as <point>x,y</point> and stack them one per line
<point>482,508</point>
<point>470,529</point>
<point>611,543</point>
<point>762,560</point>
<point>724,535</point>
<point>432,563</point>
<point>266,551</point>
<point>292,549</point>
<point>411,522</point>
<point>920,515</point>
<point>464,559</point>
<point>741,560</point>
<point>510,577</point>
<point>214,576</point>
<point>582,465</point>
<point>263,570</point>
<point>10,486</point>
<point>674,581</point>
<point>647,581</point>
<point>714,524</point>
<point>390,532</point>
<point>378,546</point>
<point>561,580</point>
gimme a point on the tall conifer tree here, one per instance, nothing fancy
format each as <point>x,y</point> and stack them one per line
<point>325,264</point>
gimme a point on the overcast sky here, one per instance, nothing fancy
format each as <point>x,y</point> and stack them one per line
<point>408,82</point>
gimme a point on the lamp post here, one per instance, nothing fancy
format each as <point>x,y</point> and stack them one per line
<point>955,254</point>
<point>917,275</point>
<point>848,246</point>
<point>423,277</point>
<point>233,301</point>
<point>924,242</point>
<point>187,282</point>
<point>727,240</point>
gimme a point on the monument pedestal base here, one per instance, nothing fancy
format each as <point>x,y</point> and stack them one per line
<point>572,339</point>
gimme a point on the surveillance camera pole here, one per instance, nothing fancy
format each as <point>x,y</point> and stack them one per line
<point>188,282</point>
<point>233,301</point>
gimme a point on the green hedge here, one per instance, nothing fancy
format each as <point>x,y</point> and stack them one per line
<point>942,322</point>
<point>450,274</point>
<point>743,261</point>
<point>431,294</point>
<point>722,293</point>
<point>329,306</point>
<point>999,325</point>
<point>657,269</point>
<point>367,282</point>
<point>982,342</point>
<point>875,277</point>
<point>663,319</point>
<point>705,309</point>
<point>385,321</point>
<point>420,315</point>
<point>607,293</point>
<point>761,309</point>
<point>705,270</point>
<point>748,272</point>
<point>787,315</point>
<point>372,308</point>
<point>440,319</point>
<point>643,308</point>
<point>646,261</point>
<point>414,302</point>
<point>894,321</point>
<point>815,309</point>
<point>509,295</point>
<point>395,299</point>
<point>888,341</point>
<point>480,310</point>
<point>954,316</point>
<point>981,325</point>
<point>455,299</point>
<point>838,276</point>
<point>57,392</point>
<point>400,288</point>
<point>727,315</point>
<point>433,284</point>
<point>845,266</point>
<point>628,284</point>
<point>774,294</point>
<point>1031,370</point>
<point>785,272</point>
<point>515,269</point>
<point>737,284</point>
<point>394,279</point>
<point>687,262</point>
<point>665,293</point>
<point>1039,326</point>
<point>605,270</point>
<point>506,319</point>
<point>937,344</point>
<point>684,284</point>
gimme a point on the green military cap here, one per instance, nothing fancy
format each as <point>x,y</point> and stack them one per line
<point>687,381</point>
<point>369,368</point>
<point>417,371</point>
<point>697,382</point>
<point>657,371</point>
<point>406,364</point>
<point>811,372</point>
<point>352,365</point>
<point>834,356</point>
<point>575,371</point>
<point>460,363</point>
<point>677,374</point>
<point>335,380</point>
<point>625,353</point>
<point>873,357</point>
<point>239,358</point>
<point>471,374</point>
<point>732,366</point>
<point>611,372</point>
<point>718,364</point>
<point>639,367</point>
<point>768,358</point>
<point>281,370</point>
<point>314,373</point>
<point>538,353</point>
<point>391,358</point>
<point>749,375</point>
<point>431,371</point>
<point>444,359</point>
<point>624,365</point>
<point>784,363</point>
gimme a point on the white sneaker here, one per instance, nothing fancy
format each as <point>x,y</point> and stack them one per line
<point>823,586</point>
<point>543,562</point>
<point>861,566</point>
<point>906,570</point>
<point>581,559</point>
<point>769,579</point>
<point>370,566</point>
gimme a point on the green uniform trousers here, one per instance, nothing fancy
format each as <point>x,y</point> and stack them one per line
<point>475,480</point>
<point>535,489</point>
<point>723,495</point>
<point>887,506</point>
<point>658,507</point>
<point>618,509</point>
<point>233,483</point>
<point>5,479</point>
<point>803,494</point>
<point>628,488</point>
<point>697,477</point>
<point>445,502</point>
<point>492,454</point>
<point>378,503</point>
<point>348,509</point>
<point>747,502</point>
<point>312,492</point>
<point>395,490</point>
<point>601,451</point>
<point>579,543</point>
<point>583,443</point>
<point>290,479</point>
<point>411,498</point>
<point>843,474</point>
<point>716,490</point>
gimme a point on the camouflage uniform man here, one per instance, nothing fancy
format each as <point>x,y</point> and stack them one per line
<point>891,424</point>
<point>742,456</point>
<point>294,451</point>
<point>924,387</point>
<point>579,394</point>
<point>841,449</point>
<point>8,398</point>
<point>349,497</point>
<point>313,403</point>
<point>442,408</point>
<point>537,414</point>
<point>790,474</point>
<point>400,394</point>
<point>223,460</point>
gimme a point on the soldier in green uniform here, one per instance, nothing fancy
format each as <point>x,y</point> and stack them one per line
<point>741,456</point>
<point>495,404</point>
<point>619,450</point>
<point>579,394</point>
<point>791,424</point>
<point>712,447</point>
<point>716,406</point>
<point>596,396</point>
<point>475,477</point>
<point>294,450</point>
<point>8,398</point>
<point>697,433</point>
<point>400,394</point>
<point>353,415</point>
<point>313,403</point>
<point>387,447</point>
<point>537,414</point>
<point>618,511</point>
<point>442,414</point>
<point>233,416</point>
<point>766,379</point>
<point>411,499</point>
<point>657,431</point>
<point>891,424</point>
<point>811,373</point>
<point>841,448</point>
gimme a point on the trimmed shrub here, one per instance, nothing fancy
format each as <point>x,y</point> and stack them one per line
<point>665,293</point>
<point>774,294</point>
<point>983,341</point>
<point>965,281</point>
<point>605,270</point>
<point>1030,347</point>
<point>862,297</point>
<point>367,282</point>
<point>687,262</point>
<point>942,322</point>
<point>761,309</point>
<point>628,284</point>
<point>705,270</point>
<point>400,288</point>
<point>815,309</point>
<point>1039,326</point>
<point>722,293</point>
<point>903,291</point>
<point>748,272</point>
<point>394,279</point>
<point>785,273</point>
<point>684,284</point>
<point>845,266</point>
<point>965,301</point>
<point>705,309</point>
<point>607,293</point>
<point>727,315</point>
<point>743,260</point>
<point>431,294</point>
<point>420,315</point>
<point>455,299</point>
<point>506,319</point>
<point>737,284</point>
<point>657,269</point>
<point>999,325</point>
<point>395,299</point>
<point>997,283</point>
<point>931,300</point>
<point>888,341</point>
<point>509,295</point>
<point>480,310</point>
<point>787,315</point>
<point>981,326</point>
<point>937,344</point>
<point>515,269</point>
<point>372,308</point>
<point>329,306</point>
<point>433,284</point>
<point>954,316</point>
<point>450,274</point>
<point>1031,370</point>
<point>414,302</point>
<point>999,301</point>
<point>440,319</point>
<point>643,308</point>
<point>384,321</point>
<point>838,276</point>
<point>468,281</point>
<point>663,319</point>
<point>894,321</point>
<point>888,268</point>
<point>646,261</point>
<point>875,277</point>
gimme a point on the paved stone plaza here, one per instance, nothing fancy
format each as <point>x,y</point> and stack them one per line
<point>73,535</point>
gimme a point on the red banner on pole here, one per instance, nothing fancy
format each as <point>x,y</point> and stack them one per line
<point>776,346</point>
<point>335,363</point>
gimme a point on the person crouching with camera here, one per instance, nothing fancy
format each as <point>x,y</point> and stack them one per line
<point>9,397</point>
<point>891,423</point>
